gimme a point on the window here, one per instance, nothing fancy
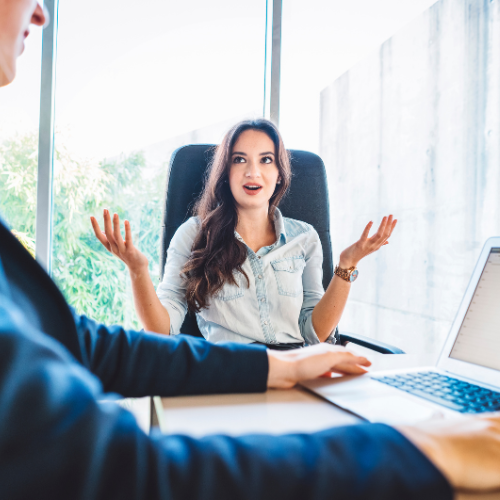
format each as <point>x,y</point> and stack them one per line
<point>133,86</point>
<point>322,39</point>
<point>130,90</point>
<point>395,297</point>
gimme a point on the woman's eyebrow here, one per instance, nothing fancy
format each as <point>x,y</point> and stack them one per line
<point>244,154</point>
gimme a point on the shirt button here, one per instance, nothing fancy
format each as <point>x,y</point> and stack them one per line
<point>262,300</point>
<point>259,257</point>
<point>259,276</point>
<point>265,322</point>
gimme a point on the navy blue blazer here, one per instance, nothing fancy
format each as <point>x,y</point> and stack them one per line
<point>58,442</point>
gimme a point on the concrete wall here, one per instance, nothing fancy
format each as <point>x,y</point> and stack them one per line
<point>414,130</point>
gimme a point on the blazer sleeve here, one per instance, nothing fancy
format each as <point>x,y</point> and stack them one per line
<point>136,364</point>
<point>57,442</point>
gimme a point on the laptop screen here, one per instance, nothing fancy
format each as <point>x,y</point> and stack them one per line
<point>478,340</point>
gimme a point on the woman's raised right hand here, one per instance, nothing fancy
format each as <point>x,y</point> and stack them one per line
<point>112,240</point>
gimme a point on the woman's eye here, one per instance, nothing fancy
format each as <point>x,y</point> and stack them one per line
<point>238,159</point>
<point>267,159</point>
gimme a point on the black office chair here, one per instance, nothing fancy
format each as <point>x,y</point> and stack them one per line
<point>307,201</point>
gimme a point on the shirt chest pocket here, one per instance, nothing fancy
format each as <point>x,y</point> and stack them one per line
<point>288,273</point>
<point>230,291</point>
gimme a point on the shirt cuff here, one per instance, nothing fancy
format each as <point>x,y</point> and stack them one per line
<point>176,315</point>
<point>309,333</point>
<point>332,339</point>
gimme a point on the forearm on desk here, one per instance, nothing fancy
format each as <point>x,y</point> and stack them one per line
<point>136,364</point>
<point>356,462</point>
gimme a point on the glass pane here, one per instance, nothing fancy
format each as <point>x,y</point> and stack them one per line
<point>327,41</point>
<point>322,39</point>
<point>19,116</point>
<point>132,86</point>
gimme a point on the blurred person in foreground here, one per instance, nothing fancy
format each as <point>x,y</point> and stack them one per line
<point>57,441</point>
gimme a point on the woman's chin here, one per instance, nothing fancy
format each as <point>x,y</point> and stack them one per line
<point>253,204</point>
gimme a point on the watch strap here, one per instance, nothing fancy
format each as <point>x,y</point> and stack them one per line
<point>345,274</point>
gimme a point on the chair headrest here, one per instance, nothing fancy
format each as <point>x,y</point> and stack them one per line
<point>307,199</point>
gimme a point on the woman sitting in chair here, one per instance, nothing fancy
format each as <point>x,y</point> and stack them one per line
<point>249,274</point>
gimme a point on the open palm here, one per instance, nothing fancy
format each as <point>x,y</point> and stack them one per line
<point>112,240</point>
<point>367,245</point>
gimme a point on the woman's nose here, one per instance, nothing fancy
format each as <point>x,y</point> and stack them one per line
<point>252,169</point>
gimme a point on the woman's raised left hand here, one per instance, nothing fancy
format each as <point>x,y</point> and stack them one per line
<point>365,245</point>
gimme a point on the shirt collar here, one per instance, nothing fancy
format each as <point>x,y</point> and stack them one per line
<point>279,224</point>
<point>279,227</point>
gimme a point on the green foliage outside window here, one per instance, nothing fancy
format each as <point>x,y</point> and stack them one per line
<point>92,280</point>
<point>26,241</point>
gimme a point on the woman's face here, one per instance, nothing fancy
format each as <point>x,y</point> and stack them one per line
<point>253,174</point>
<point>15,19</point>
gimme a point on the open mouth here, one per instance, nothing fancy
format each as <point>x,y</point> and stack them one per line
<point>252,189</point>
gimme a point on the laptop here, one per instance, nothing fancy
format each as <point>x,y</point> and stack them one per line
<point>465,379</point>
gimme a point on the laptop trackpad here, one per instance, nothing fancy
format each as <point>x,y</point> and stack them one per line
<point>390,409</point>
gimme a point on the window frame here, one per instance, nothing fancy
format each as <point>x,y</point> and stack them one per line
<point>44,208</point>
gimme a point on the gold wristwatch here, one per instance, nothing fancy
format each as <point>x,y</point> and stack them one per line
<point>350,274</point>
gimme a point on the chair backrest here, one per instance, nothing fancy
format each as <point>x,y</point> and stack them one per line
<point>307,201</point>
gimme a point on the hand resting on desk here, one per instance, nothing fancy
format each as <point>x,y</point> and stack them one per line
<point>286,368</point>
<point>466,451</point>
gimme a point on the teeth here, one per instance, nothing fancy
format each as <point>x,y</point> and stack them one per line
<point>253,188</point>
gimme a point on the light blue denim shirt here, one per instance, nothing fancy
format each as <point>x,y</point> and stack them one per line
<point>285,286</point>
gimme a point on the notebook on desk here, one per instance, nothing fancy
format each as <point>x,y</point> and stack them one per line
<point>466,378</point>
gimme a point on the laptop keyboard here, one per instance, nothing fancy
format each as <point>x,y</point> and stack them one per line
<point>446,391</point>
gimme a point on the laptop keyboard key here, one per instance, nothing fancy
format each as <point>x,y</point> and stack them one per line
<point>440,401</point>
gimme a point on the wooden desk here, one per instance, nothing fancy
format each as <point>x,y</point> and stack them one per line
<point>273,412</point>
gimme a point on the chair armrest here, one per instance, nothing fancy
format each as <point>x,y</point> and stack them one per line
<point>369,343</point>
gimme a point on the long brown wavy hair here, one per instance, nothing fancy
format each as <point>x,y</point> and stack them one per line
<point>216,253</point>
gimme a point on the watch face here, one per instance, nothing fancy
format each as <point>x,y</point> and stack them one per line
<point>354,275</point>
